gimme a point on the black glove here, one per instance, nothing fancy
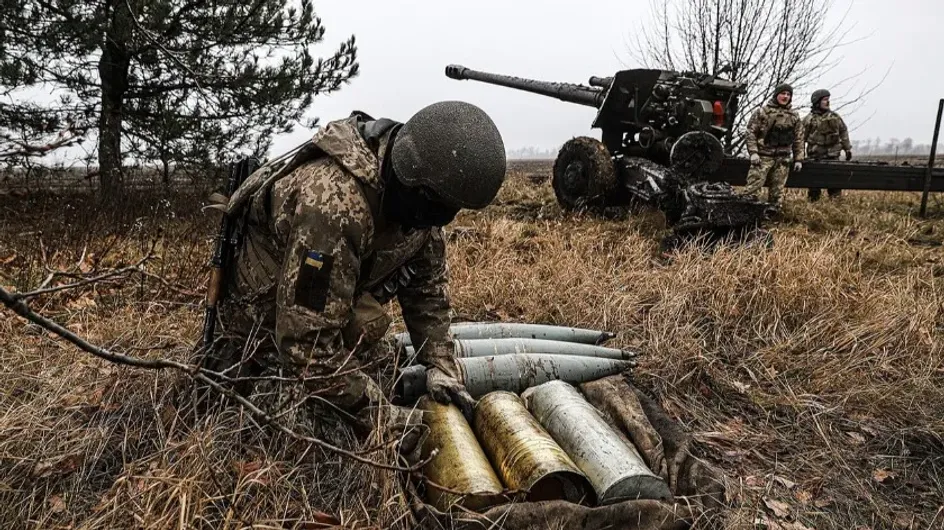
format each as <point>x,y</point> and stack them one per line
<point>848,155</point>
<point>446,389</point>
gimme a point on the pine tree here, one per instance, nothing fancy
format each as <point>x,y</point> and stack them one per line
<point>182,81</point>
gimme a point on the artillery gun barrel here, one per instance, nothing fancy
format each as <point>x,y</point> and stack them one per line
<point>602,82</point>
<point>571,93</point>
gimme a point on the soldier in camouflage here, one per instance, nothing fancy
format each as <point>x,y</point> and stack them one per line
<point>351,221</point>
<point>774,133</point>
<point>826,135</point>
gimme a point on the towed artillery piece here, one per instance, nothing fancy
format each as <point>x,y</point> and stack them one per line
<point>661,140</point>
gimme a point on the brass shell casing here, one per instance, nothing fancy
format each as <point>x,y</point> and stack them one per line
<point>525,455</point>
<point>460,464</point>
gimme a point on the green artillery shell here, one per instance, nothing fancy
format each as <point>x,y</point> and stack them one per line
<point>460,464</point>
<point>515,330</point>
<point>610,461</point>
<point>525,455</point>
<point>514,373</point>
<point>486,347</point>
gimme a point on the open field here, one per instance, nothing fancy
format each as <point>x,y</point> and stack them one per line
<point>812,373</point>
<point>77,180</point>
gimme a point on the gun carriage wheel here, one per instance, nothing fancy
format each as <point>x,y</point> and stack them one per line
<point>584,173</point>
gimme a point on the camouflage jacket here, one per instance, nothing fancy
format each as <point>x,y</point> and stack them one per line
<point>775,131</point>
<point>315,246</point>
<point>825,134</point>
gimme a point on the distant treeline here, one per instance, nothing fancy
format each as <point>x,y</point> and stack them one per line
<point>533,153</point>
<point>892,146</point>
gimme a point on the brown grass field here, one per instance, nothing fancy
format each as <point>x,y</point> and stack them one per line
<point>812,373</point>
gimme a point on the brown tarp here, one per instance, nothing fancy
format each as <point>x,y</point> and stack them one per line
<point>698,488</point>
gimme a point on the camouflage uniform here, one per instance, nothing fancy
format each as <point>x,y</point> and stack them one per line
<point>774,132</point>
<point>826,135</point>
<point>318,261</point>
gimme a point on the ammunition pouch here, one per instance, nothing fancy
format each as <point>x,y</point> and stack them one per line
<point>823,139</point>
<point>779,136</point>
<point>385,290</point>
<point>368,322</point>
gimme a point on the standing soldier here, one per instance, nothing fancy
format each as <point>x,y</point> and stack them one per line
<point>353,220</point>
<point>826,135</point>
<point>774,132</point>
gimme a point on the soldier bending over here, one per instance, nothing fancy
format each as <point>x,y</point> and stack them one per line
<point>353,220</point>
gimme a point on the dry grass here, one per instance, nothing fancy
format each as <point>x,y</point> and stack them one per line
<point>812,373</point>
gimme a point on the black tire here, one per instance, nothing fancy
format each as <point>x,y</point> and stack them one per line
<point>696,153</point>
<point>584,174</point>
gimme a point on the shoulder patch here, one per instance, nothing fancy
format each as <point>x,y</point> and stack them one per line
<point>314,280</point>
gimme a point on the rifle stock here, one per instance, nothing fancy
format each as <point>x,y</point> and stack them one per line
<point>223,250</point>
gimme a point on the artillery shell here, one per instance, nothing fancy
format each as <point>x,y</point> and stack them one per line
<point>514,373</point>
<point>486,347</point>
<point>515,330</point>
<point>460,464</point>
<point>525,455</point>
<point>609,461</point>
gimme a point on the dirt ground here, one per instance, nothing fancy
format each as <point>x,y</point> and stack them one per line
<point>811,373</point>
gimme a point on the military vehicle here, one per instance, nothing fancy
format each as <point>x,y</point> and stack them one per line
<point>662,134</point>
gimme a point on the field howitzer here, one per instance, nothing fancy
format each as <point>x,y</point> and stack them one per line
<point>662,135</point>
<point>224,246</point>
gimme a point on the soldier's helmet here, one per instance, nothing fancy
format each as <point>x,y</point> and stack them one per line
<point>818,95</point>
<point>783,87</point>
<point>453,149</point>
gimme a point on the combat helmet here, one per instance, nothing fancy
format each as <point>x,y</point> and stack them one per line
<point>453,149</point>
<point>818,95</point>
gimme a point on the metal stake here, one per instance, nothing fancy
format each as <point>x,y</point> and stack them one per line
<point>927,178</point>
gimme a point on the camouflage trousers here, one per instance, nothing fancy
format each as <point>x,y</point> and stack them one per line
<point>245,350</point>
<point>771,172</point>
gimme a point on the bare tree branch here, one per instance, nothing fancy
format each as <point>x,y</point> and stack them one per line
<point>88,281</point>
<point>25,149</point>
<point>760,43</point>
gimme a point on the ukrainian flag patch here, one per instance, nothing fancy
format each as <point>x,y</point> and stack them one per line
<point>314,280</point>
<point>315,259</point>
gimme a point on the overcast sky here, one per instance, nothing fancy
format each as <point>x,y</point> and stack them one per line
<point>405,45</point>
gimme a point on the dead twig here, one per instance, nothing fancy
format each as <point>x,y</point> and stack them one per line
<point>66,137</point>
<point>18,306</point>
<point>174,287</point>
<point>88,281</point>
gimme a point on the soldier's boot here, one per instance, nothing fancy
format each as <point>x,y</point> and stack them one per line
<point>814,194</point>
<point>835,193</point>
